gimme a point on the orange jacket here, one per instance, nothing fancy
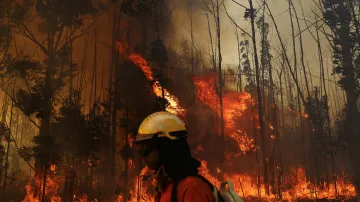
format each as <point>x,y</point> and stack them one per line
<point>191,189</point>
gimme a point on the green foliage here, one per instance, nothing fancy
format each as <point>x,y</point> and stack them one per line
<point>265,49</point>
<point>249,12</point>
<point>83,136</point>
<point>46,149</point>
<point>69,124</point>
<point>96,138</point>
<point>32,102</point>
<point>317,108</point>
<point>246,67</point>
<point>20,11</point>
<point>26,153</point>
<point>345,43</point>
<point>60,13</point>
<point>22,67</point>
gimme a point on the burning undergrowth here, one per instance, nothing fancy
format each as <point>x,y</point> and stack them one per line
<point>237,162</point>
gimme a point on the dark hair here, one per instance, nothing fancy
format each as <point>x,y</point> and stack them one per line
<point>175,156</point>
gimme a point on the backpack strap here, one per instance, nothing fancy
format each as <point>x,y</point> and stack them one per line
<point>174,191</point>
<point>219,197</point>
<point>176,184</point>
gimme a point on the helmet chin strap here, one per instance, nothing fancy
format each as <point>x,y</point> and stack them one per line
<point>160,171</point>
<point>161,178</point>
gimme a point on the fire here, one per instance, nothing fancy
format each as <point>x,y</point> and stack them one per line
<point>246,186</point>
<point>246,144</point>
<point>145,191</point>
<point>305,115</point>
<point>139,61</point>
<point>51,191</point>
<point>235,103</point>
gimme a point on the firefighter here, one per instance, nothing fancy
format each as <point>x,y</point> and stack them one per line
<point>162,143</point>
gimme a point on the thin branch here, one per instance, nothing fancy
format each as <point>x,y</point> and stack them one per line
<point>308,27</point>
<point>27,33</point>
<point>233,21</point>
<point>286,57</point>
<point>239,4</point>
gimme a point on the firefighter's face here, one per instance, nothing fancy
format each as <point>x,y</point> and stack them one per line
<point>150,155</point>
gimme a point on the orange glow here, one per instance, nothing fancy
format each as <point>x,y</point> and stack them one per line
<point>305,115</point>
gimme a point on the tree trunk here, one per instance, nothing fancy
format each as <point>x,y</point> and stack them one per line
<point>8,139</point>
<point>221,83</point>
<point>259,101</point>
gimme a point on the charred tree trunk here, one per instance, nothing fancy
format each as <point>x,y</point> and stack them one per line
<point>301,49</point>
<point>116,94</point>
<point>8,136</point>
<point>4,110</point>
<point>213,60</point>
<point>192,50</point>
<point>221,83</point>
<point>259,101</point>
<point>239,86</point>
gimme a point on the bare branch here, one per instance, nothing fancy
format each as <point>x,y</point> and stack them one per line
<point>233,21</point>
<point>239,4</point>
<point>286,57</point>
<point>24,31</point>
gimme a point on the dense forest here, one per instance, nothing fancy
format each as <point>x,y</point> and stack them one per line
<point>280,118</point>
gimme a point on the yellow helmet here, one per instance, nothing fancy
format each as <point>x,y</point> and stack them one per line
<point>161,124</point>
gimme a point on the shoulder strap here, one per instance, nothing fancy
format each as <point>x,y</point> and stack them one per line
<point>220,198</point>
<point>174,191</point>
<point>176,184</point>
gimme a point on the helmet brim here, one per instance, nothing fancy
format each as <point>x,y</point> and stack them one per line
<point>171,135</point>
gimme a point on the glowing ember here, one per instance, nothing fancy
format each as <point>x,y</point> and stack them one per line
<point>245,144</point>
<point>305,115</point>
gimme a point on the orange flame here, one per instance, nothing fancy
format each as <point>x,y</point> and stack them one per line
<point>235,103</point>
<point>139,61</point>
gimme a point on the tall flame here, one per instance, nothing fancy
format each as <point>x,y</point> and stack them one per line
<point>139,61</point>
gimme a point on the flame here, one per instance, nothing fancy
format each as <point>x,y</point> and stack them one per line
<point>51,191</point>
<point>139,61</point>
<point>246,187</point>
<point>305,115</point>
<point>246,144</point>
<point>235,103</point>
